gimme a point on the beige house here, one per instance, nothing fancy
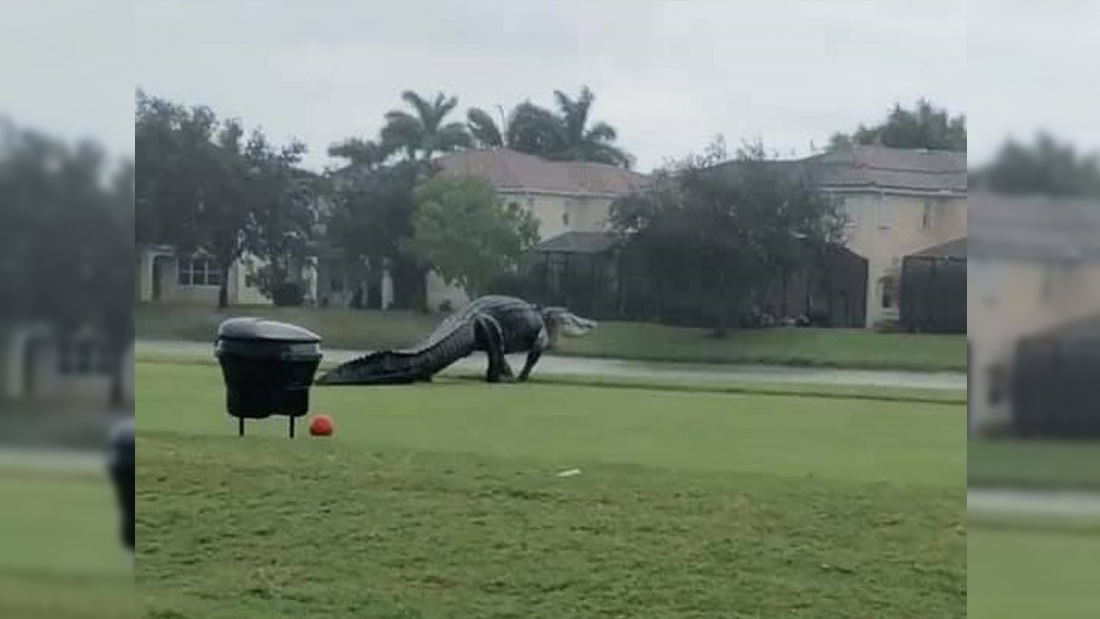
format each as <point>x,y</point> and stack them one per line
<point>899,202</point>
<point>37,365</point>
<point>566,197</point>
<point>1034,264</point>
<point>164,275</point>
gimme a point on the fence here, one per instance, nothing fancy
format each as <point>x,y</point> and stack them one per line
<point>1055,384</point>
<point>933,294</point>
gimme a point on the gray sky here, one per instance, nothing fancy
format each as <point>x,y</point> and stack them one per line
<point>668,75</point>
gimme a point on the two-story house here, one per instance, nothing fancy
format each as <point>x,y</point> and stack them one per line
<point>1034,264</point>
<point>899,202</point>
<point>570,199</point>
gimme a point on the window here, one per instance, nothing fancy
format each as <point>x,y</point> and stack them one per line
<point>198,272</point>
<point>926,216</point>
<point>83,357</point>
<point>889,292</point>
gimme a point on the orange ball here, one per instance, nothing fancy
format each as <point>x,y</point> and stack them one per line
<point>321,425</point>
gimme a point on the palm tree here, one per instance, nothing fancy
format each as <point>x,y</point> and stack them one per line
<point>424,132</point>
<point>564,136</point>
<point>583,143</point>
<point>484,129</point>
<point>367,154</point>
<point>530,129</point>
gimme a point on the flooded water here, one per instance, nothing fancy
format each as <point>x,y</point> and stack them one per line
<point>621,368</point>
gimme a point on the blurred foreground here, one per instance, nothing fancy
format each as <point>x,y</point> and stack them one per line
<point>1034,319</point>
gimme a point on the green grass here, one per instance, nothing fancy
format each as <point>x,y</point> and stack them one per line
<point>341,328</point>
<point>1023,573</point>
<point>809,390</point>
<point>61,557</point>
<point>1034,464</point>
<point>441,500</point>
<point>1031,565</point>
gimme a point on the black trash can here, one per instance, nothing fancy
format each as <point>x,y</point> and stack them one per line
<point>268,368</point>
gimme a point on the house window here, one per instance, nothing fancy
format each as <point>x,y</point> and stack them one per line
<point>197,271</point>
<point>889,292</point>
<point>926,216</point>
<point>83,357</point>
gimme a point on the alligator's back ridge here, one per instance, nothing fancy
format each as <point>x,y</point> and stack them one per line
<point>455,337</point>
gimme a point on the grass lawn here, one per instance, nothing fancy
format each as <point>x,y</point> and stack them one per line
<point>61,557</point>
<point>341,328</point>
<point>441,500</point>
<point>1034,464</point>
<point>1028,573</point>
<point>759,387</point>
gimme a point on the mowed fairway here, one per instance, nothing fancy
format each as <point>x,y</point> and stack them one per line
<point>442,500</point>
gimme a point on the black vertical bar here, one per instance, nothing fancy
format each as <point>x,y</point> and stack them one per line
<point>240,426</point>
<point>291,417</point>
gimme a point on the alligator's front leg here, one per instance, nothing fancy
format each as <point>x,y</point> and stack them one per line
<point>542,342</point>
<point>532,359</point>
<point>494,349</point>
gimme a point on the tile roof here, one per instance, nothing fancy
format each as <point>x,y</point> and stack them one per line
<point>1034,227</point>
<point>880,168</point>
<point>510,170</point>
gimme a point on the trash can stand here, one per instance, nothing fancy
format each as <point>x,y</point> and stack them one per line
<point>268,368</point>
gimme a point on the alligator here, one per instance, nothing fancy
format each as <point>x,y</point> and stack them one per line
<point>495,325</point>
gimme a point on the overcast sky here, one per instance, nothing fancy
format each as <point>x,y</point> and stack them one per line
<point>668,75</point>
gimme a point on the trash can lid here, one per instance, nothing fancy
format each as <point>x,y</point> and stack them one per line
<point>249,328</point>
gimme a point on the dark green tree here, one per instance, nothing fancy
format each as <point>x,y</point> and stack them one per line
<point>1044,167</point>
<point>467,234</point>
<point>372,212</point>
<point>284,213</point>
<point>924,126</point>
<point>713,236</point>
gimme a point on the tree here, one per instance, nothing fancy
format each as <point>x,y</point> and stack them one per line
<point>67,239</point>
<point>424,132</point>
<point>714,236</point>
<point>467,234</point>
<point>1044,167</point>
<point>171,143</point>
<point>372,212</point>
<point>484,129</point>
<point>564,136</point>
<point>366,154</point>
<point>581,142</point>
<point>926,126</point>
<point>282,202</point>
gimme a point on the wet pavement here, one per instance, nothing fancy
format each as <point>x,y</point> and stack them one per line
<point>620,368</point>
<point>1033,502</point>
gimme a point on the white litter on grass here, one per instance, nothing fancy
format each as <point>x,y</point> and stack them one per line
<point>569,473</point>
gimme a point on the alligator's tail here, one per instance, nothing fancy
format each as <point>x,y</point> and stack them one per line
<point>393,367</point>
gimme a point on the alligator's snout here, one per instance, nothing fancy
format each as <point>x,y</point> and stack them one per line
<point>575,326</point>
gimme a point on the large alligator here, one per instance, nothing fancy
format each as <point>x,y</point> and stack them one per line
<point>495,325</point>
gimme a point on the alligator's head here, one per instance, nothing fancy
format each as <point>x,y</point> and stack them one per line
<point>561,321</point>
